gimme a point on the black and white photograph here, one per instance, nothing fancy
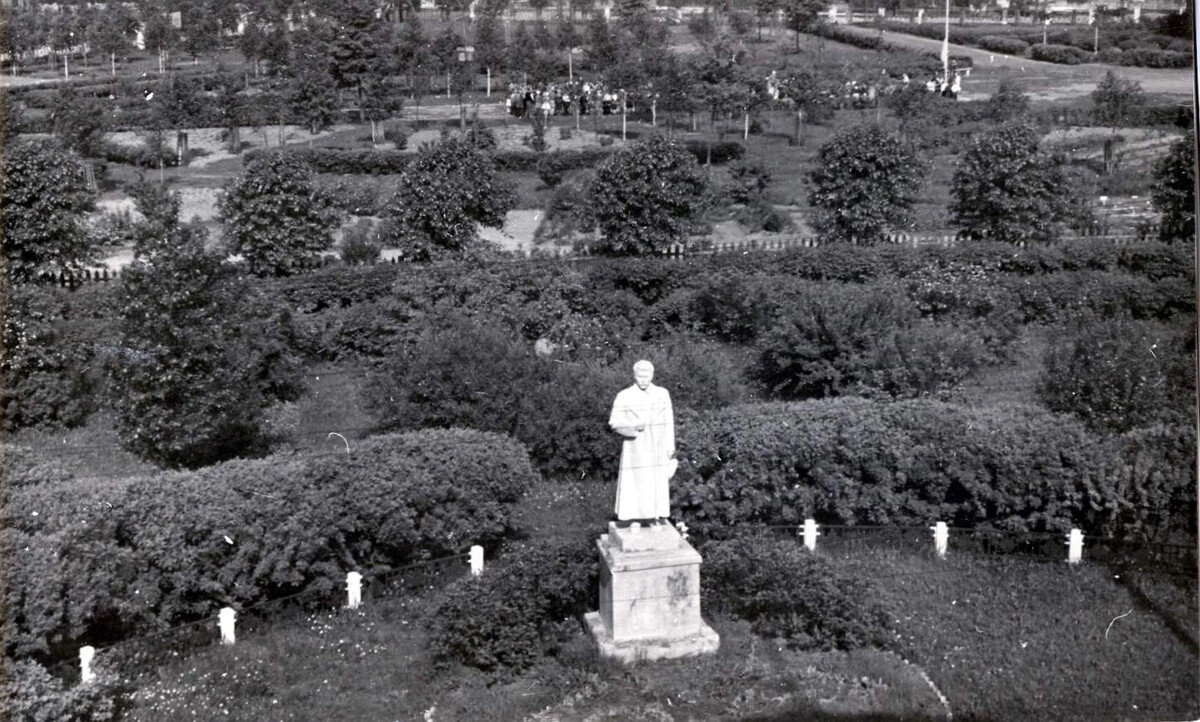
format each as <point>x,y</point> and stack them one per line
<point>598,361</point>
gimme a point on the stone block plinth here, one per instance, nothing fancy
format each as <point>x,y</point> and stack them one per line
<point>649,596</point>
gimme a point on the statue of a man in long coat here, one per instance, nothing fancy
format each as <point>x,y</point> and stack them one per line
<point>642,414</point>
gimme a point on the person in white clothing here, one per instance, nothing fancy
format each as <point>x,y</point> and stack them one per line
<point>643,415</point>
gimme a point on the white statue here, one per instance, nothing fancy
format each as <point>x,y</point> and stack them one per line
<point>643,415</point>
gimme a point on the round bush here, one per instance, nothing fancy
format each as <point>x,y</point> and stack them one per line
<point>788,593</point>
<point>506,619</point>
<point>1119,374</point>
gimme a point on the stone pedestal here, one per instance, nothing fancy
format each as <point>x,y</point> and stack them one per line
<point>649,596</point>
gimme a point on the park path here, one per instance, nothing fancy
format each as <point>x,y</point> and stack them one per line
<point>1041,80</point>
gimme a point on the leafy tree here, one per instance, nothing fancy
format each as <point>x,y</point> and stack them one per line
<point>203,29</point>
<point>47,356</point>
<point>441,195</point>
<point>1114,101</point>
<point>1008,103</point>
<point>646,197</point>
<point>177,102</point>
<point>115,32</point>
<point>1007,189</point>
<point>45,194</point>
<point>159,226</point>
<point>412,54</point>
<point>865,182</point>
<point>601,46</point>
<point>229,99</point>
<point>312,90</point>
<point>490,50</point>
<point>1174,191</point>
<point>203,355</point>
<point>157,31</point>
<point>801,15</point>
<point>276,217</point>
<point>77,120</point>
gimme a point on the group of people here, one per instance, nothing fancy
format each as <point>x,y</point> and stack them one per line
<point>948,88</point>
<point>565,98</point>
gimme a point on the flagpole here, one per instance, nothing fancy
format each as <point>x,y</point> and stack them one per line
<point>946,47</point>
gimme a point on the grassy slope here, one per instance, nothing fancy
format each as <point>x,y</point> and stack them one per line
<point>1003,639</point>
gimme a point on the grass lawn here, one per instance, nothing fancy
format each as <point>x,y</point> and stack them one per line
<point>1002,638</point>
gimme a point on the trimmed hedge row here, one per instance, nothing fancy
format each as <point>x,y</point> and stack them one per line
<point>1070,46</point>
<point>1061,54</point>
<point>851,461</point>
<point>379,161</point>
<point>96,561</point>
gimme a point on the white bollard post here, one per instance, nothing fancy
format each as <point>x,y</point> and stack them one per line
<point>941,536</point>
<point>86,655</point>
<point>1075,547</point>
<point>476,560</point>
<point>227,617</point>
<point>810,534</point>
<point>353,590</point>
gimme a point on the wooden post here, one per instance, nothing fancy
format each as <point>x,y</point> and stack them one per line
<point>941,535</point>
<point>354,590</point>
<point>86,655</point>
<point>227,619</point>
<point>476,560</point>
<point>810,534</point>
<point>1075,547</point>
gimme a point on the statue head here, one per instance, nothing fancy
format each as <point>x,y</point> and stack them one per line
<point>643,374</point>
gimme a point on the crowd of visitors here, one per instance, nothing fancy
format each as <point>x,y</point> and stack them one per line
<point>566,98</point>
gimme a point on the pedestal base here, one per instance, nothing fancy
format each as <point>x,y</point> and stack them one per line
<point>647,650</point>
<point>649,596</point>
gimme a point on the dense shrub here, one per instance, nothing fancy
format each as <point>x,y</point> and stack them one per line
<point>29,693</point>
<point>141,156</point>
<point>550,169</point>
<point>335,287</point>
<point>483,139</point>
<point>1061,54</point>
<point>184,544</point>
<point>475,374</point>
<point>397,135</point>
<point>1003,44</point>
<point>851,461</point>
<point>527,161</point>
<point>506,619</point>
<point>48,358</point>
<point>716,152</point>
<point>1062,295</point>
<point>834,340</point>
<point>788,593</point>
<point>375,161</point>
<point>355,195</point>
<point>1118,374</point>
<point>359,247</point>
<point>1155,58</point>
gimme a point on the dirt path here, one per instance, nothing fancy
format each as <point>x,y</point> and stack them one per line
<point>1045,81</point>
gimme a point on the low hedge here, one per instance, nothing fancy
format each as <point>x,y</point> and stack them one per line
<point>852,461</point>
<point>1003,44</point>
<point>1061,54</point>
<point>1154,58</point>
<point>94,562</point>
<point>790,594</point>
<point>503,621</point>
<point>371,161</point>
